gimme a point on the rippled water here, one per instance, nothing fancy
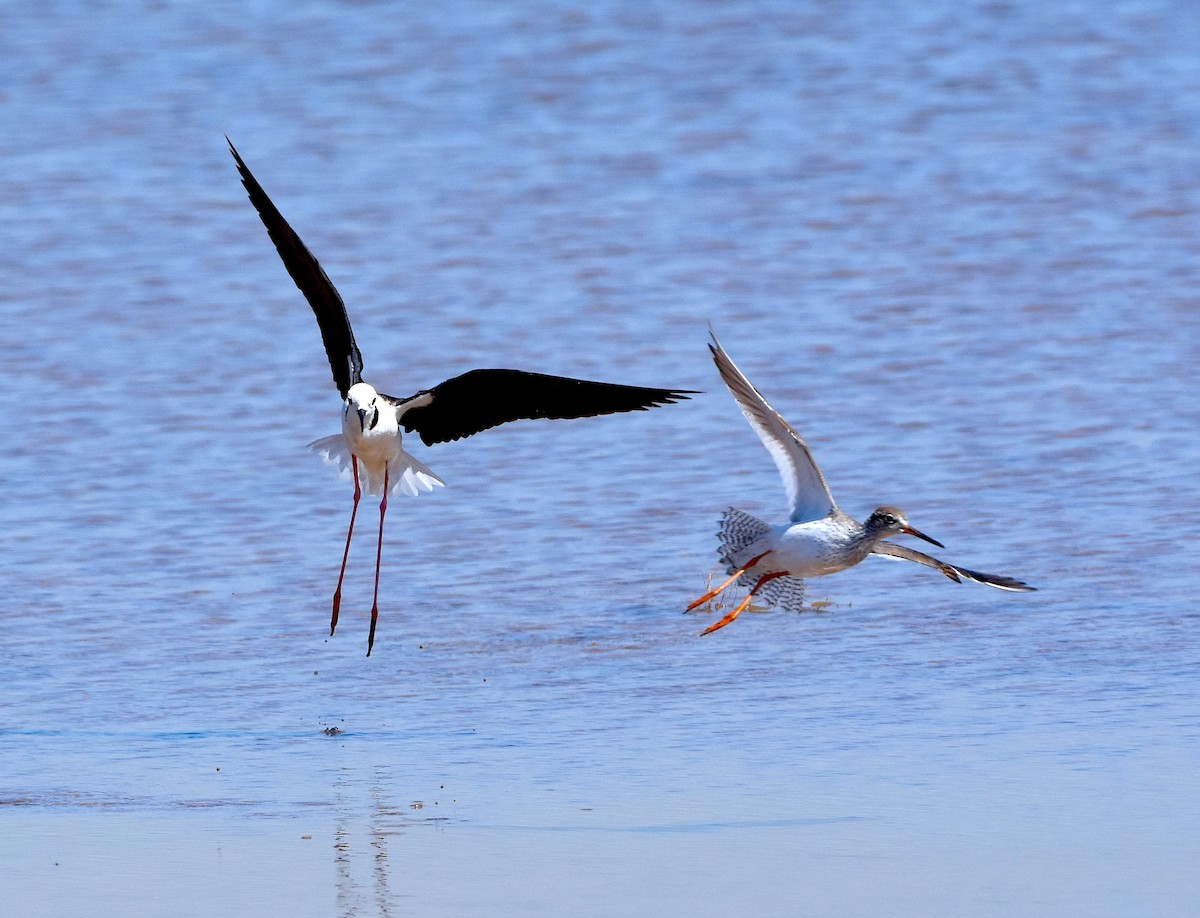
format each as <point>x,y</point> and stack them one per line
<point>956,244</point>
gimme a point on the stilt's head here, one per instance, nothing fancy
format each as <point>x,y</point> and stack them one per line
<point>886,521</point>
<point>363,400</point>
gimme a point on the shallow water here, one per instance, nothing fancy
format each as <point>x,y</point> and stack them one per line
<point>957,246</point>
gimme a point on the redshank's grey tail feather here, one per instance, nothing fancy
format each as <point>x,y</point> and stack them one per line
<point>785,593</point>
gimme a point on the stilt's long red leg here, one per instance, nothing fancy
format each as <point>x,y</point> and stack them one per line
<point>762,581</point>
<point>378,559</point>
<point>337,596</point>
<point>712,594</point>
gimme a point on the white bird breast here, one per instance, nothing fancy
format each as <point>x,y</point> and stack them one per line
<point>377,449</point>
<point>813,549</point>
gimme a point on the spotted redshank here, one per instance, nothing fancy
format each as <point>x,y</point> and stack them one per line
<point>818,538</point>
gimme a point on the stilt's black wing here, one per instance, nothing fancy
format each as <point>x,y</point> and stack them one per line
<point>481,399</point>
<point>344,357</point>
<point>957,574</point>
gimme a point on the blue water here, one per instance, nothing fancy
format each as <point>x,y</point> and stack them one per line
<point>956,244</point>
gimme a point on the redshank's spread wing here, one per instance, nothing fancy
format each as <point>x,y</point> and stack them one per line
<point>481,399</point>
<point>807,492</point>
<point>344,357</point>
<point>957,574</point>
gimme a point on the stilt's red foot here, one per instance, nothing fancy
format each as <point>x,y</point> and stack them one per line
<point>378,560</point>
<point>337,594</point>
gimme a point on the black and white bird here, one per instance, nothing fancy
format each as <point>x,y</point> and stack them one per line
<point>819,538</point>
<point>370,444</point>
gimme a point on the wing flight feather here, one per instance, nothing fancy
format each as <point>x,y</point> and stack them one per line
<point>481,399</point>
<point>808,494</point>
<point>344,358</point>
<point>957,574</point>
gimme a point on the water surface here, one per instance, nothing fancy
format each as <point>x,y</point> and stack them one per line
<point>957,245</point>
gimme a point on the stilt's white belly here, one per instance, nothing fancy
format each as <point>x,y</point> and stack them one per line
<point>374,449</point>
<point>377,451</point>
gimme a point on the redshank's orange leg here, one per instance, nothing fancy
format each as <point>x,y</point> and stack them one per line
<point>762,581</point>
<point>337,596</point>
<point>378,559</point>
<point>712,594</point>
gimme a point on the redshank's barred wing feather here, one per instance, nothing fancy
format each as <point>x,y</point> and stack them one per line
<point>785,593</point>
<point>807,492</point>
<point>739,530</point>
<point>344,357</point>
<point>957,574</point>
<point>481,399</point>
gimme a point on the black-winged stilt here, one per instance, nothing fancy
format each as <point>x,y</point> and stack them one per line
<point>459,407</point>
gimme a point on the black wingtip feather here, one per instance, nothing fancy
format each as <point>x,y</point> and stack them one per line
<point>345,360</point>
<point>482,399</point>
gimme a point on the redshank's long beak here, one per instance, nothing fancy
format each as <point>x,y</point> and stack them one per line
<point>920,535</point>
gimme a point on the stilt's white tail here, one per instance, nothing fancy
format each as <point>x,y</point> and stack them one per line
<point>414,476</point>
<point>408,474</point>
<point>739,530</point>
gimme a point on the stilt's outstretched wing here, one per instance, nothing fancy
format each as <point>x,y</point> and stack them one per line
<point>957,574</point>
<point>481,399</point>
<point>344,357</point>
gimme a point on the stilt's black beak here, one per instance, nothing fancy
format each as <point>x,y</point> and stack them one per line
<point>362,419</point>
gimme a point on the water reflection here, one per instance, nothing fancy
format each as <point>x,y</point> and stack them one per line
<point>365,820</point>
